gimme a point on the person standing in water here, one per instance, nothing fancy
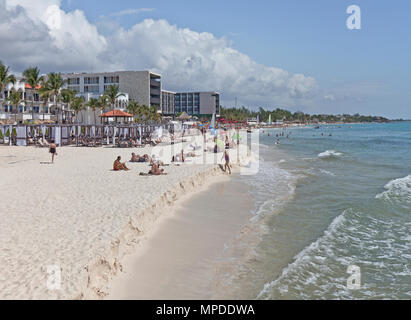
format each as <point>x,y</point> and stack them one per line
<point>53,150</point>
<point>227,162</point>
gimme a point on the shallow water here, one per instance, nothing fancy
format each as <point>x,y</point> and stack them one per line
<point>324,203</point>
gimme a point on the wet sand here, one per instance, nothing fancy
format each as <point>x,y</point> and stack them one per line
<point>185,252</point>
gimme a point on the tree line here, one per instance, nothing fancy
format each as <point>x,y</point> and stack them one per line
<point>278,114</point>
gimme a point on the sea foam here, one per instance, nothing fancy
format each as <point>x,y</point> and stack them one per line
<point>329,154</point>
<point>398,189</point>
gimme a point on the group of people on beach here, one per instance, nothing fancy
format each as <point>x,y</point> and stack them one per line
<point>155,165</point>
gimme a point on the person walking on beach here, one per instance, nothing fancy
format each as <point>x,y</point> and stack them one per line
<point>53,150</point>
<point>227,162</point>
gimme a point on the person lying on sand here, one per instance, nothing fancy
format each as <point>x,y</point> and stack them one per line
<point>118,166</point>
<point>155,171</point>
<point>140,159</point>
<point>190,155</point>
<point>134,158</point>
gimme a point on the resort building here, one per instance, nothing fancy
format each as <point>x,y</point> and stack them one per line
<point>143,87</point>
<point>197,103</point>
<point>167,103</point>
<point>31,106</point>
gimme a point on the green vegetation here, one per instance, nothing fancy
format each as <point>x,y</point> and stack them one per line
<point>242,114</point>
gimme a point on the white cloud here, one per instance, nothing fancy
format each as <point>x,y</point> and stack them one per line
<point>188,60</point>
<point>40,33</point>
<point>130,12</point>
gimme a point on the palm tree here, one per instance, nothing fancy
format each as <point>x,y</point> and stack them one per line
<point>112,94</point>
<point>144,112</point>
<point>93,105</point>
<point>133,107</point>
<point>154,115</point>
<point>33,79</point>
<point>5,78</point>
<point>55,82</point>
<point>15,99</point>
<point>102,102</point>
<point>67,97</point>
<point>77,106</point>
<point>45,94</point>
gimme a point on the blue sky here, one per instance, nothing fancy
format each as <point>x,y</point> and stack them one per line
<point>367,70</point>
<point>307,37</point>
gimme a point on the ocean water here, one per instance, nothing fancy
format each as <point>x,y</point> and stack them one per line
<point>326,202</point>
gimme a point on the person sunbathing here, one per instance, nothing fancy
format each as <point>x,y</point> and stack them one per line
<point>190,155</point>
<point>118,166</point>
<point>135,158</point>
<point>156,171</point>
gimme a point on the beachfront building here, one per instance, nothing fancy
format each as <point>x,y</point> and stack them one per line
<point>143,87</point>
<point>31,106</point>
<point>197,103</point>
<point>167,103</point>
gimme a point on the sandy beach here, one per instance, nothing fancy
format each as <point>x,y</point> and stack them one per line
<point>79,216</point>
<point>188,253</point>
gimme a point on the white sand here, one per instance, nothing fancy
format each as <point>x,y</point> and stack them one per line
<point>185,256</point>
<point>79,215</point>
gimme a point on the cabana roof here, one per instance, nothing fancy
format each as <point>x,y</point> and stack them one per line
<point>184,116</point>
<point>27,86</point>
<point>116,114</point>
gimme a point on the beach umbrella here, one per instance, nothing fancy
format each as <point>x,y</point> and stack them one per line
<point>184,116</point>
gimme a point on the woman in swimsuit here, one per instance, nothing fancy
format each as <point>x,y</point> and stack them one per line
<point>227,162</point>
<point>53,150</point>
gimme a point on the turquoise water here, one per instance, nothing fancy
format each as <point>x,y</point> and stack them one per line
<point>327,202</point>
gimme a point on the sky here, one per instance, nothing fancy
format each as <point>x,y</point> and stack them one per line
<point>292,54</point>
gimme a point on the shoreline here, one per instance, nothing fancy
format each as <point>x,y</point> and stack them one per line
<point>178,241</point>
<point>75,225</point>
<point>137,233</point>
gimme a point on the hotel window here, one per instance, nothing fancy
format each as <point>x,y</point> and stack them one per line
<point>91,89</point>
<point>107,86</point>
<point>91,80</point>
<point>113,79</point>
<point>73,81</point>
